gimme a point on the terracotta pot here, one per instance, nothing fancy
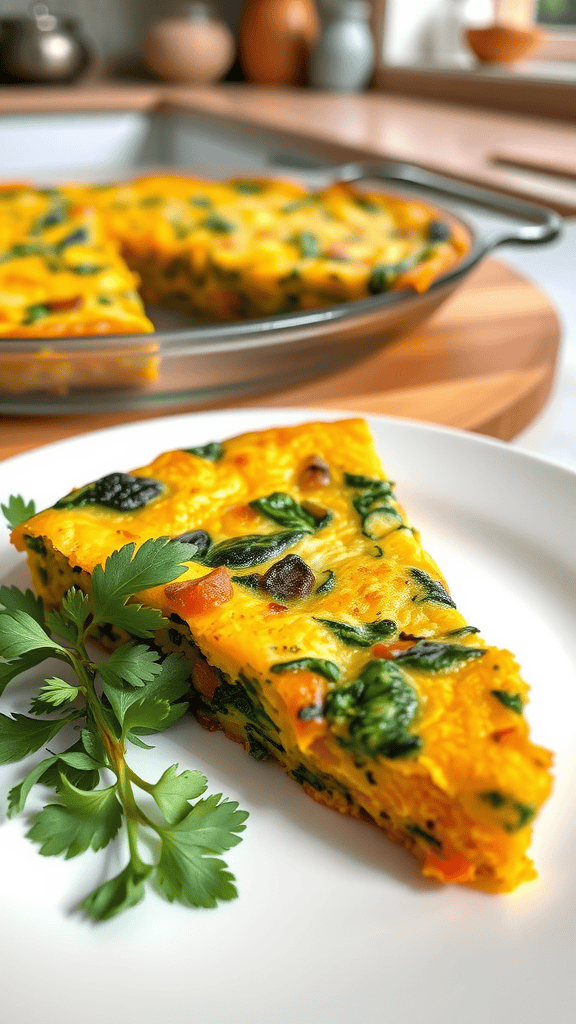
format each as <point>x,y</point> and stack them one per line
<point>276,37</point>
<point>193,47</point>
<point>503,44</point>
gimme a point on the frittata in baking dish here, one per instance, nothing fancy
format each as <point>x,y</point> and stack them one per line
<point>321,634</point>
<point>72,258</point>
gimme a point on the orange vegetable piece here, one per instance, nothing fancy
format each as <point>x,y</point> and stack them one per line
<point>390,650</point>
<point>299,691</point>
<point>205,678</point>
<point>454,867</point>
<point>194,597</point>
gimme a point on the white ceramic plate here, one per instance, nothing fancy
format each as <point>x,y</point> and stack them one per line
<point>333,924</point>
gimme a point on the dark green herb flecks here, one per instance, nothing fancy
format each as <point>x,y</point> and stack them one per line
<point>307,244</point>
<point>328,669</point>
<point>513,815</point>
<point>119,491</point>
<point>359,481</point>
<point>57,215</point>
<point>372,502</point>
<point>430,589</point>
<point>299,204</point>
<point>509,700</point>
<point>364,635</point>
<point>149,202</point>
<point>366,204</point>
<point>248,188</point>
<point>219,225</point>
<point>78,237</point>
<point>438,231</point>
<point>23,249</point>
<point>201,540</point>
<point>256,748</point>
<point>381,521</point>
<point>35,544</point>
<point>376,491</point>
<point>462,631</point>
<point>212,452</point>
<point>283,509</point>
<point>305,777</point>
<point>241,696</point>
<point>35,312</point>
<point>252,549</point>
<point>416,830</point>
<point>432,656</point>
<point>371,716</point>
<point>328,585</point>
<point>383,276</point>
<point>86,269</point>
<point>251,580</point>
<point>201,202</point>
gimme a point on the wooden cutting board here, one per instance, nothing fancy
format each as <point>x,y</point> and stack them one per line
<point>484,362</point>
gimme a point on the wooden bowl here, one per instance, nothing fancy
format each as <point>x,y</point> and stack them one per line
<point>503,44</point>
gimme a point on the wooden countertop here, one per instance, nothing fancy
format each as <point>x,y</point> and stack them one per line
<point>524,156</point>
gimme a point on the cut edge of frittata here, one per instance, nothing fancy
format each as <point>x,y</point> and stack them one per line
<point>369,688</point>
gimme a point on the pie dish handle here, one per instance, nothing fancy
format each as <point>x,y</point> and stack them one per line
<point>538,223</point>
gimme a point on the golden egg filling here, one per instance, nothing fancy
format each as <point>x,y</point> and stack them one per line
<point>82,260</point>
<point>321,635</point>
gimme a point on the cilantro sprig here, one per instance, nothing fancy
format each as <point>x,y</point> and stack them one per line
<point>132,694</point>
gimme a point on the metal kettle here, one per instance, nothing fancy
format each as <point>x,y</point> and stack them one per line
<point>42,48</point>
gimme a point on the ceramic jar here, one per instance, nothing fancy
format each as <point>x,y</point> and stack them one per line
<point>276,37</point>
<point>193,46</point>
<point>344,56</point>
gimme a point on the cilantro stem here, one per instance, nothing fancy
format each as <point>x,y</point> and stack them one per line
<point>134,692</point>
<point>141,783</point>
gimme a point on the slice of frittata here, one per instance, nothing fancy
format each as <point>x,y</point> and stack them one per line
<point>321,634</point>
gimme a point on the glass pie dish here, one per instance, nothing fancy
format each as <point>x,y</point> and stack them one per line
<point>188,361</point>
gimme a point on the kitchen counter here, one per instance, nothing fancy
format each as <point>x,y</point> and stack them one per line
<point>501,150</point>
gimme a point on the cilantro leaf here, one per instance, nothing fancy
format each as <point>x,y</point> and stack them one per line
<point>61,625</point>
<point>93,745</point>
<point>52,694</point>
<point>83,774</point>
<point>136,619</point>
<point>76,606</point>
<point>129,571</point>
<point>15,600</point>
<point>78,759</point>
<point>132,664</point>
<point>172,792</point>
<point>118,894</point>
<point>17,510</point>
<point>171,683</point>
<point>20,634</point>
<point>19,794</point>
<point>187,870</point>
<point>11,669</point>
<point>82,820</point>
<point>149,713</point>
<point>20,735</point>
<point>139,694</point>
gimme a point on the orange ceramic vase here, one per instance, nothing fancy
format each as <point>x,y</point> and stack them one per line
<point>275,40</point>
